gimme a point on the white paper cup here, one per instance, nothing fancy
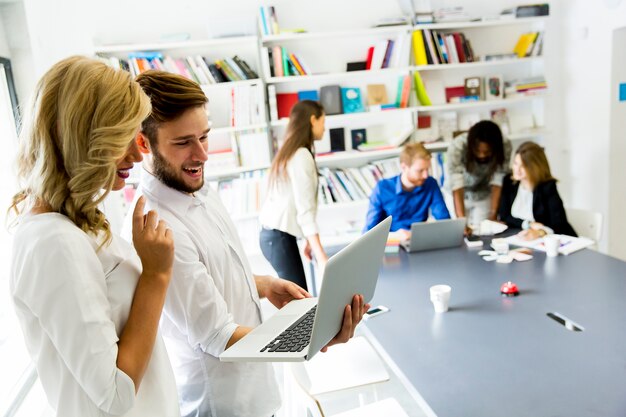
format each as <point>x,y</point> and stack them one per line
<point>440,297</point>
<point>501,246</point>
<point>552,244</point>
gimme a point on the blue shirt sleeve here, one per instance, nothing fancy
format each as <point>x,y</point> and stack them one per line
<point>375,211</point>
<point>438,207</point>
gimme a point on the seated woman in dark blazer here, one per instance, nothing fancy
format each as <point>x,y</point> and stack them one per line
<point>529,199</point>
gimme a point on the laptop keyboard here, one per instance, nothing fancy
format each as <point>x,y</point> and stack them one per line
<point>296,337</point>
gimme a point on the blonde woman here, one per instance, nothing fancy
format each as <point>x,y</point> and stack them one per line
<point>88,304</point>
<point>290,210</point>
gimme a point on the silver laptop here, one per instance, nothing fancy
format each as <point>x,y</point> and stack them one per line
<point>435,235</point>
<point>300,329</point>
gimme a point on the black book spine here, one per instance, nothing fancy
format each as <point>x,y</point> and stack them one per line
<point>250,74</point>
<point>429,59</point>
<point>217,74</point>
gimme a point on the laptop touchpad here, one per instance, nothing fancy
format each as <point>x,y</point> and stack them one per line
<point>277,322</point>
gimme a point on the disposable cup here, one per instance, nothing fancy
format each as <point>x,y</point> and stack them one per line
<point>552,244</point>
<point>440,297</point>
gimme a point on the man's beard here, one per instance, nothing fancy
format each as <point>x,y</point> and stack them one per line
<point>166,174</point>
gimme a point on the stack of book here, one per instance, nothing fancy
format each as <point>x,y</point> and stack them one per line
<point>529,44</point>
<point>431,47</point>
<point>451,14</point>
<point>526,86</point>
<point>197,68</point>
<point>268,20</point>
<point>245,105</point>
<point>388,53</point>
<point>283,63</point>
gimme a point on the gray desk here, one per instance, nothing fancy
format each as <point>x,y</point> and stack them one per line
<point>496,356</point>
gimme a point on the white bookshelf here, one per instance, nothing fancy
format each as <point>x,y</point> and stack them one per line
<point>172,46</point>
<point>488,37</point>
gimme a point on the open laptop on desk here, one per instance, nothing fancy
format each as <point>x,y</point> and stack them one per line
<point>300,329</point>
<point>435,235</point>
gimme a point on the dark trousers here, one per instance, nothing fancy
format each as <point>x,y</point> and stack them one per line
<point>281,250</point>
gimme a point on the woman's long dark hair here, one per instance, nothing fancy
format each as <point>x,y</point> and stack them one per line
<point>487,132</point>
<point>299,135</point>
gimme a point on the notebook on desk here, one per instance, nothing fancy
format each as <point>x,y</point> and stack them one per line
<point>435,235</point>
<point>300,329</point>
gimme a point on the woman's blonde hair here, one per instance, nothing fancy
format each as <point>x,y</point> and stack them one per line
<point>81,121</point>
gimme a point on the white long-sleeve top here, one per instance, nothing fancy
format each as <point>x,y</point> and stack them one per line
<point>291,204</point>
<point>72,302</point>
<point>212,291</point>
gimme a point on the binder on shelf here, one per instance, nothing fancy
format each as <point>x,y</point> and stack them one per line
<point>271,99</point>
<point>330,97</point>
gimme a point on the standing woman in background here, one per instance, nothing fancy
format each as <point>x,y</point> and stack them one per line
<point>290,209</point>
<point>88,304</point>
<point>530,200</point>
<point>477,163</point>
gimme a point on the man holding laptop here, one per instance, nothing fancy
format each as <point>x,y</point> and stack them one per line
<point>409,196</point>
<point>213,299</point>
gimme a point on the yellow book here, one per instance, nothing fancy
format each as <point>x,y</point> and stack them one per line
<point>420,90</point>
<point>524,43</point>
<point>419,51</point>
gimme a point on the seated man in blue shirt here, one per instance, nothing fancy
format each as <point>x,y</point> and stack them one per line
<point>408,196</point>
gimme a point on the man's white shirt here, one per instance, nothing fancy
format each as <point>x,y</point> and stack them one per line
<point>212,291</point>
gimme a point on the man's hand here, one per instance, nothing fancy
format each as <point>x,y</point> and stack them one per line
<point>404,235</point>
<point>279,291</point>
<point>352,315</point>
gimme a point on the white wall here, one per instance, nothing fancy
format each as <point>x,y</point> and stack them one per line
<point>586,75</point>
<point>617,172</point>
<point>17,47</point>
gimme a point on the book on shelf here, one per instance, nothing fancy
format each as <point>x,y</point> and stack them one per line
<point>284,103</point>
<point>195,67</point>
<point>473,86</point>
<point>494,87</point>
<point>308,95</point>
<point>351,100</point>
<point>531,10</point>
<point>376,94</point>
<point>424,131</point>
<point>272,102</point>
<point>268,21</point>
<point>246,107</point>
<point>378,55</point>
<point>432,47</point>
<point>356,66</point>
<point>420,90</point>
<point>419,50</point>
<point>529,44</point>
<point>358,137</point>
<point>404,88</point>
<point>451,14</point>
<point>337,139</point>
<point>330,98</point>
<point>243,195</point>
<point>282,63</point>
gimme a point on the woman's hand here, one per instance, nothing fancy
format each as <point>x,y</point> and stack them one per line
<point>153,242</point>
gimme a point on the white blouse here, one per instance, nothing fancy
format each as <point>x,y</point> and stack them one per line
<point>522,207</point>
<point>72,302</point>
<point>211,293</point>
<point>291,204</point>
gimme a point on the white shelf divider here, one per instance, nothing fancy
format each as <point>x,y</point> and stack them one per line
<point>469,65</point>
